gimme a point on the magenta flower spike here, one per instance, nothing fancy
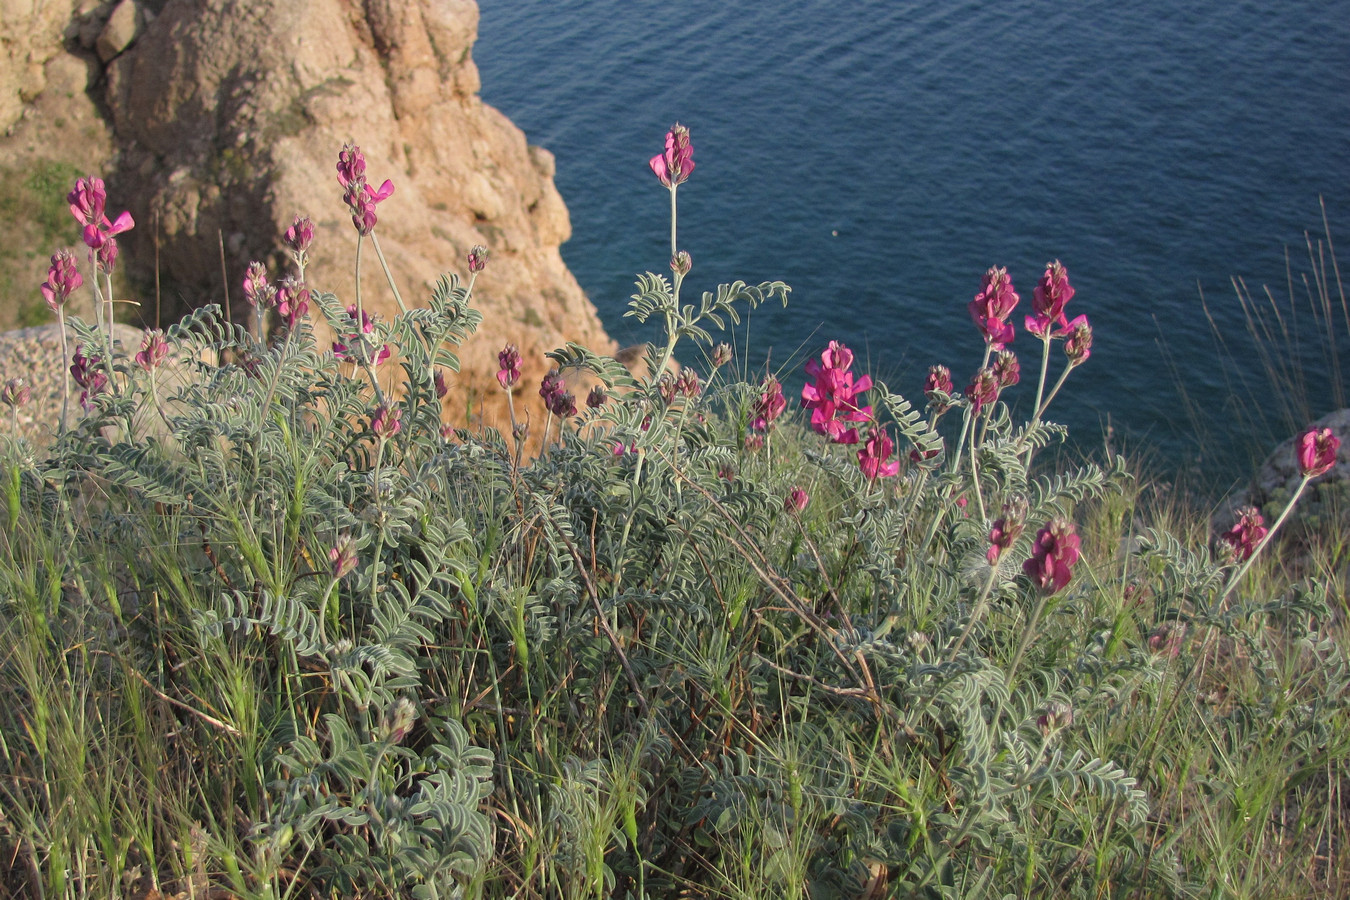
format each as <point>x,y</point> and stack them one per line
<point>831,398</point>
<point>676,164</point>
<point>257,291</point>
<point>63,279</point>
<point>105,256</point>
<point>1246,534</point>
<point>1052,292</point>
<point>1317,451</point>
<point>88,200</point>
<point>384,422</point>
<point>769,406</point>
<point>982,390</point>
<point>1077,341</point>
<point>992,306</point>
<point>939,379</point>
<point>557,398</point>
<point>874,455</point>
<point>292,300</point>
<point>351,166</point>
<point>90,374</point>
<point>478,257</point>
<point>154,350</point>
<point>96,234</point>
<point>1007,529</point>
<point>508,367</point>
<point>1007,369</point>
<point>1056,552</point>
<point>300,235</point>
<point>15,393</point>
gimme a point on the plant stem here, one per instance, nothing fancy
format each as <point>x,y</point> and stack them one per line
<point>359,308</point>
<point>387,274</point>
<point>976,612</point>
<point>65,367</point>
<point>1026,638</point>
<point>1284,514</point>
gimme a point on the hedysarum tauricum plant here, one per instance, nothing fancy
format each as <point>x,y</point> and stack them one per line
<point>667,657</point>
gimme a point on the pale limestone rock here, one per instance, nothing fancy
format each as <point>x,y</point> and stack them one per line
<point>123,27</point>
<point>228,116</point>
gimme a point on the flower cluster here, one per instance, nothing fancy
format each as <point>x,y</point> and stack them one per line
<point>992,306</point>
<point>831,397</point>
<point>15,393</point>
<point>875,456</point>
<point>154,350</point>
<point>769,405</point>
<point>1055,553</point>
<point>362,335</point>
<point>360,197</point>
<point>676,164</point>
<point>90,374</point>
<point>1317,451</point>
<point>1005,531</point>
<point>63,279</point>
<point>1052,292</point>
<point>508,366</point>
<point>88,204</point>
<point>1246,534</point>
<point>557,397</point>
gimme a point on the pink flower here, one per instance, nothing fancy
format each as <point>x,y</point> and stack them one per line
<point>63,279</point>
<point>1055,553</point>
<point>1052,292</point>
<point>1007,369</point>
<point>557,398</point>
<point>1317,451</point>
<point>687,384</point>
<point>478,257</point>
<point>1246,533</point>
<point>508,363</point>
<point>992,306</point>
<point>88,200</point>
<point>105,257</point>
<point>982,390</point>
<point>1007,529</point>
<point>351,165</point>
<point>597,397</point>
<point>300,235</point>
<point>874,455</point>
<point>681,262</point>
<point>831,397</point>
<point>15,393</point>
<point>97,233</point>
<point>769,406</point>
<point>939,379</point>
<point>257,291</point>
<point>292,299</point>
<point>438,383</point>
<point>342,558</point>
<point>674,166</point>
<point>154,350</point>
<point>384,422</point>
<point>1077,340</point>
<point>796,500</point>
<point>366,327</point>
<point>89,374</point>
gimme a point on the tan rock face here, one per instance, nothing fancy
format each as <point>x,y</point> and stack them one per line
<point>229,115</point>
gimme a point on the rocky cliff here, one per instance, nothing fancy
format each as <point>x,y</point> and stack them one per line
<point>217,121</point>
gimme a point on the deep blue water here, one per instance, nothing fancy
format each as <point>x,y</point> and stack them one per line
<point>879,155</point>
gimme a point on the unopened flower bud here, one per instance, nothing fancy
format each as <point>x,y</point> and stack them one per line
<point>681,263</point>
<point>438,382</point>
<point>1007,368</point>
<point>384,422</point>
<point>721,355</point>
<point>154,350</point>
<point>398,720</point>
<point>597,397</point>
<point>478,257</point>
<point>508,366</point>
<point>1078,341</point>
<point>300,235</point>
<point>1057,715</point>
<point>15,393</point>
<point>796,500</point>
<point>342,557</point>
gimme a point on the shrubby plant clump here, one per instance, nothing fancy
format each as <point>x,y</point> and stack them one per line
<point>272,631</point>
